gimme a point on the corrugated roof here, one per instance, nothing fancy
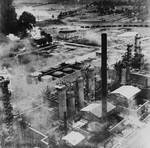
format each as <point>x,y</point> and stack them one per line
<point>80,123</point>
<point>127,91</point>
<point>74,138</point>
<point>96,108</point>
<point>67,31</point>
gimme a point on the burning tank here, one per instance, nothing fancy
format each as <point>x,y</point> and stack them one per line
<point>46,39</point>
<point>40,37</point>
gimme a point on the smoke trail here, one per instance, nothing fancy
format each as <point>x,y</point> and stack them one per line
<point>8,17</point>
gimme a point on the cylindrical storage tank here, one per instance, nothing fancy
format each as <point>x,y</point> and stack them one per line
<point>58,74</point>
<point>76,66</point>
<point>137,42</point>
<point>68,70</point>
<point>1,93</point>
<point>91,83</point>
<point>123,76</point>
<point>97,78</point>
<point>71,103</point>
<point>46,78</point>
<point>80,89</point>
<point>62,99</point>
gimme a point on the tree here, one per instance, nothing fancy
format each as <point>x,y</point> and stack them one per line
<point>118,67</point>
<point>127,57</point>
<point>137,61</point>
<point>125,62</point>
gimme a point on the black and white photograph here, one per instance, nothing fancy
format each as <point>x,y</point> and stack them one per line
<point>74,73</point>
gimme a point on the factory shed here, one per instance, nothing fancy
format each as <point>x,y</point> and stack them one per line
<point>96,109</point>
<point>129,92</point>
<point>67,34</point>
<point>125,96</point>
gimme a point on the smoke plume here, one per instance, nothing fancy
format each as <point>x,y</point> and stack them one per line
<point>93,37</point>
<point>148,7</point>
<point>8,17</point>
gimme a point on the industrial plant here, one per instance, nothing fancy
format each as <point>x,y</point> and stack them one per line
<point>74,74</point>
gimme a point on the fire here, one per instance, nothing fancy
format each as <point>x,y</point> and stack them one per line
<point>35,33</point>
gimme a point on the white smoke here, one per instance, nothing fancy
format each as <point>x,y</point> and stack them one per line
<point>40,15</point>
<point>12,37</point>
<point>93,37</point>
<point>13,46</point>
<point>26,96</point>
<point>6,48</point>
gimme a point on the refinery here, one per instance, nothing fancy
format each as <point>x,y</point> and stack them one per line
<point>74,74</point>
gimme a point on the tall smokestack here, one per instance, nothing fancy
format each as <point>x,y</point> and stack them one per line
<point>104,74</point>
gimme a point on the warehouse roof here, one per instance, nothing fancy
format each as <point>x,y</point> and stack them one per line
<point>96,108</point>
<point>74,138</point>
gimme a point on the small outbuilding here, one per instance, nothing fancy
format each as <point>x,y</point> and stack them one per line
<point>127,91</point>
<point>67,34</point>
<point>94,111</point>
<point>73,138</point>
<point>127,99</point>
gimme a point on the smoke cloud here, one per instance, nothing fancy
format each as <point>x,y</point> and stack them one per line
<point>93,37</point>
<point>8,17</point>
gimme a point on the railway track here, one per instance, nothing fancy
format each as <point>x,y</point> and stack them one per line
<point>36,51</point>
<point>117,25</point>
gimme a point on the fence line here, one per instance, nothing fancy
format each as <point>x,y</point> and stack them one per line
<point>38,132</point>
